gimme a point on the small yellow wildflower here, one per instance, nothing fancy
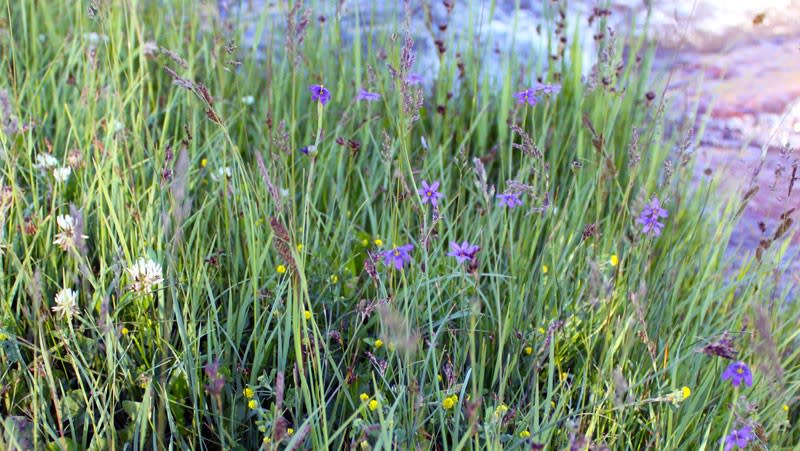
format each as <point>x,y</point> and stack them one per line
<point>378,242</point>
<point>299,247</point>
<point>378,343</point>
<point>124,331</point>
<point>528,350</point>
<point>785,407</point>
<point>281,269</point>
<point>307,315</point>
<point>686,392</point>
<point>249,393</point>
<point>501,409</point>
<point>252,404</point>
<point>363,397</point>
<point>448,403</point>
<point>3,337</point>
<point>334,278</point>
<point>364,444</point>
<point>614,260</point>
<point>365,242</point>
<point>203,162</point>
<point>439,377</point>
<point>290,431</point>
<point>267,440</point>
<point>525,434</point>
<point>374,404</point>
<point>545,269</point>
<point>541,330</point>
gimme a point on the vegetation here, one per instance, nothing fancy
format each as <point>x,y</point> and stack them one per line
<point>218,267</point>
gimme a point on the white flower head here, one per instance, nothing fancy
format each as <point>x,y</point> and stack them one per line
<point>62,174</point>
<point>248,100</point>
<point>65,238</point>
<point>45,162</point>
<point>145,274</point>
<point>222,173</point>
<point>66,303</point>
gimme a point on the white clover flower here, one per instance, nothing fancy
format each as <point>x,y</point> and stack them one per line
<point>65,238</point>
<point>248,100</point>
<point>145,274</point>
<point>45,162</point>
<point>66,303</point>
<point>62,174</point>
<point>222,173</point>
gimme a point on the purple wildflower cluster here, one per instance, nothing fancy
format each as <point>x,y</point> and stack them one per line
<point>739,438</point>
<point>216,380</point>
<point>430,193</point>
<point>320,94</point>
<point>650,217</point>
<point>738,373</point>
<point>463,252</point>
<point>529,95</point>
<point>509,200</point>
<point>398,256</point>
<point>368,96</point>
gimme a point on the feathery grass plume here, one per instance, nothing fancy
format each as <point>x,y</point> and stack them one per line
<point>296,24</point>
<point>273,191</point>
<point>174,57</point>
<point>282,242</point>
<point>528,146</point>
<point>482,181</point>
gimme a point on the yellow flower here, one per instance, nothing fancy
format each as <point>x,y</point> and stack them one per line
<point>249,393</point>
<point>686,392</point>
<point>541,330</point>
<point>378,242</point>
<point>448,403</point>
<point>299,247</point>
<point>281,269</point>
<point>785,408</point>
<point>439,377</point>
<point>334,278</point>
<point>203,163</point>
<point>528,350</point>
<point>545,269</point>
<point>614,260</point>
<point>267,440</point>
<point>365,242</point>
<point>501,409</point>
<point>3,337</point>
<point>363,397</point>
<point>524,434</point>
<point>374,404</point>
<point>252,404</point>
<point>290,431</point>
<point>124,331</point>
<point>307,315</point>
<point>378,343</point>
<point>364,444</point>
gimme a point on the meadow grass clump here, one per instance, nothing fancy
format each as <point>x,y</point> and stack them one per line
<point>314,245</point>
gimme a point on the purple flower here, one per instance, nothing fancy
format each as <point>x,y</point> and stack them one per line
<point>650,215</point>
<point>739,438</point>
<point>510,200</point>
<point>320,94</point>
<point>738,372</point>
<point>414,79</point>
<point>430,193</point>
<point>368,96</point>
<point>526,96</point>
<point>463,252</point>
<point>544,88</point>
<point>398,256</point>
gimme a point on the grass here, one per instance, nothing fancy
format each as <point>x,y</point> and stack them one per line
<point>542,339</point>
